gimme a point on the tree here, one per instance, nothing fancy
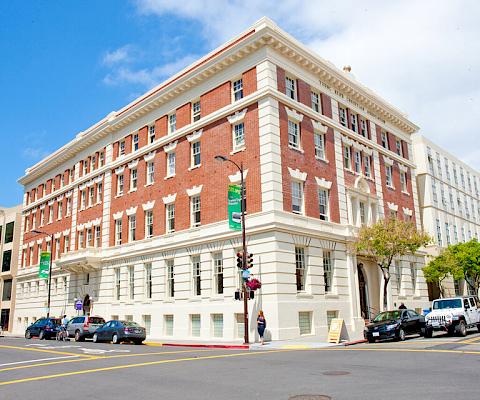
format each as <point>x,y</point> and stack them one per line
<point>441,267</point>
<point>387,240</point>
<point>467,256</point>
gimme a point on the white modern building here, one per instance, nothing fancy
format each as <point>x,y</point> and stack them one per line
<point>137,204</point>
<point>449,197</point>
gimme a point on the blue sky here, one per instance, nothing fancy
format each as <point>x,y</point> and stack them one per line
<point>65,65</point>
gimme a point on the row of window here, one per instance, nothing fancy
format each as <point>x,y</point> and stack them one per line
<point>50,213</point>
<point>51,185</point>
<point>33,288</point>
<point>451,234</point>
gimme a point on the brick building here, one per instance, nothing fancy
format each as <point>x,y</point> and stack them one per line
<point>138,208</point>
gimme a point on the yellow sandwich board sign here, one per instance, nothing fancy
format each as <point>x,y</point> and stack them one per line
<point>335,330</point>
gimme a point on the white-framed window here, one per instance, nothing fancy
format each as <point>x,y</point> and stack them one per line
<point>151,134</point>
<point>98,236</point>
<point>132,227</point>
<point>218,273</point>
<point>328,270</point>
<point>168,319</point>
<point>121,148</point>
<point>217,325</point>
<point>120,185</point>
<point>148,280</point>
<point>118,232</point>
<point>290,88</point>
<point>368,166</point>
<point>66,244</point>
<point>195,211</point>
<point>384,138</point>
<point>403,181</point>
<point>362,211</point>
<point>99,192</point>
<point>117,283</point>
<point>398,147</point>
<point>297,197</point>
<point>439,233</point>
<point>347,157</point>
<point>342,115</point>
<point>62,181</point>
<point>196,276</point>
<point>196,111</point>
<point>81,241</point>
<point>170,278</point>
<point>101,159</point>
<point>170,210</point>
<point>363,127</point>
<point>89,237</point>
<point>237,89</point>
<point>305,322</point>
<point>447,233</point>
<point>319,140</point>
<point>131,282</point>
<point>357,162</point>
<point>135,145</point>
<point>300,268</point>
<point>93,161</point>
<point>195,150</point>
<point>83,199</point>
<point>172,123</point>
<point>59,213</point>
<point>50,214</point>
<point>42,214</point>
<point>315,101</point>
<point>195,324</point>
<point>238,136</point>
<point>71,178</point>
<point>91,196</point>
<point>293,134</point>
<point>354,122</point>
<point>323,204</point>
<point>150,173</point>
<point>388,175</point>
<point>57,248</point>
<point>149,224</point>
<point>171,159</point>
<point>85,171</point>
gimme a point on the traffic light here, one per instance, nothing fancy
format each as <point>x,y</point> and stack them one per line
<point>240,260</point>
<point>249,260</point>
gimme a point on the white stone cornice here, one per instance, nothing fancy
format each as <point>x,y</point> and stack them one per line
<point>133,164</point>
<point>323,183</point>
<point>42,206</point>
<point>51,202</point>
<point>402,167</point>
<point>97,221</point>
<point>388,160</point>
<point>292,114</point>
<point>31,244</point>
<point>88,225</point>
<point>235,178</point>
<point>194,191</point>
<point>48,239</point>
<point>366,150</point>
<point>66,232</point>
<point>148,205</point>
<point>170,147</point>
<point>407,211</point>
<point>98,179</point>
<point>319,127</point>
<point>90,183</point>
<point>120,170</point>
<point>131,211</point>
<point>59,198</point>
<point>57,235</point>
<point>80,227</point>
<point>195,136</point>
<point>296,174</point>
<point>238,117</point>
<point>149,157</point>
<point>118,215</point>
<point>25,246</point>
<point>69,193</point>
<point>39,241</point>
<point>170,198</point>
<point>392,206</point>
<point>347,141</point>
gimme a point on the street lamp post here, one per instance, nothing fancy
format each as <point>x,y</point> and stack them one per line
<point>244,244</point>
<point>49,270</point>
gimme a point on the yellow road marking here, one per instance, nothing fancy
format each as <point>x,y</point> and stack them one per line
<point>153,344</point>
<point>65,353</point>
<point>393,349</point>
<point>89,371</point>
<point>472,340</point>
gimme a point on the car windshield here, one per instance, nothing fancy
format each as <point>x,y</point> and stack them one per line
<point>447,303</point>
<point>387,316</point>
<point>130,323</point>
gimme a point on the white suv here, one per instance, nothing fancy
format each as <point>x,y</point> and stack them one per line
<point>453,315</point>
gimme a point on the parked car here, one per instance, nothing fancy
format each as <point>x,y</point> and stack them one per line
<point>120,331</point>
<point>44,328</point>
<point>83,327</point>
<point>396,324</point>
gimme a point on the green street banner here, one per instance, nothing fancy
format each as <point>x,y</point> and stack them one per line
<point>234,207</point>
<point>44,265</point>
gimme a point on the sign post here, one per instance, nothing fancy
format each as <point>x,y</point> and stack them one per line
<point>234,207</point>
<point>335,330</point>
<point>44,268</point>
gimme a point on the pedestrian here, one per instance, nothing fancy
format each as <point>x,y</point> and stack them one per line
<point>261,325</point>
<point>402,307</point>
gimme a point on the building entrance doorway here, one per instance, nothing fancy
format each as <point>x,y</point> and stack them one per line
<point>86,305</point>
<point>363,292</point>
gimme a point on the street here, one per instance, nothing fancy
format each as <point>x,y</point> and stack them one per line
<point>438,368</point>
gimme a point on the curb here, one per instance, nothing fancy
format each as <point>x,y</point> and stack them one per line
<point>354,342</point>
<point>209,346</point>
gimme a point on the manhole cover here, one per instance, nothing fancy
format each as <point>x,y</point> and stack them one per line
<point>335,373</point>
<point>310,397</point>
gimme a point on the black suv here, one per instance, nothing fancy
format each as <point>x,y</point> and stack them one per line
<point>44,328</point>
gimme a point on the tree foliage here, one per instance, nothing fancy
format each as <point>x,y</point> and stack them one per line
<point>439,268</point>
<point>387,240</point>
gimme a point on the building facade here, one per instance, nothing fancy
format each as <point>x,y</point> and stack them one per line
<point>449,202</point>
<point>137,203</point>
<point>10,223</point>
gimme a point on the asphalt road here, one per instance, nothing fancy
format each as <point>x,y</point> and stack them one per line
<point>438,368</point>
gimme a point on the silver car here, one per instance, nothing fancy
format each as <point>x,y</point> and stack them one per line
<point>83,327</point>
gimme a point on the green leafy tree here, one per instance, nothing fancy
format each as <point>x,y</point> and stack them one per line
<point>467,257</point>
<point>387,240</point>
<point>441,267</point>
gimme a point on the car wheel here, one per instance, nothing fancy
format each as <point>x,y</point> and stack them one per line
<point>401,335</point>
<point>371,340</point>
<point>78,336</point>
<point>428,333</point>
<point>478,327</point>
<point>28,335</point>
<point>41,335</point>
<point>138,342</point>
<point>115,339</point>
<point>95,338</point>
<point>462,328</point>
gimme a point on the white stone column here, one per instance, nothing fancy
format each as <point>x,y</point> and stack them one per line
<point>342,196</point>
<point>107,198</point>
<point>378,185</point>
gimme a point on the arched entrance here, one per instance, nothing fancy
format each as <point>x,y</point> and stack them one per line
<point>363,293</point>
<point>86,305</point>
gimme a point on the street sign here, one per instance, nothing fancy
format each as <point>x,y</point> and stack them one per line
<point>335,330</point>
<point>44,265</point>
<point>78,305</point>
<point>234,207</point>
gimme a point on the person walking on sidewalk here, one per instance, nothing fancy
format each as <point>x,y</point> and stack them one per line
<point>261,325</point>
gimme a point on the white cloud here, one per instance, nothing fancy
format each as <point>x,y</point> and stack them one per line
<point>35,153</point>
<point>121,55</point>
<point>422,56</point>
